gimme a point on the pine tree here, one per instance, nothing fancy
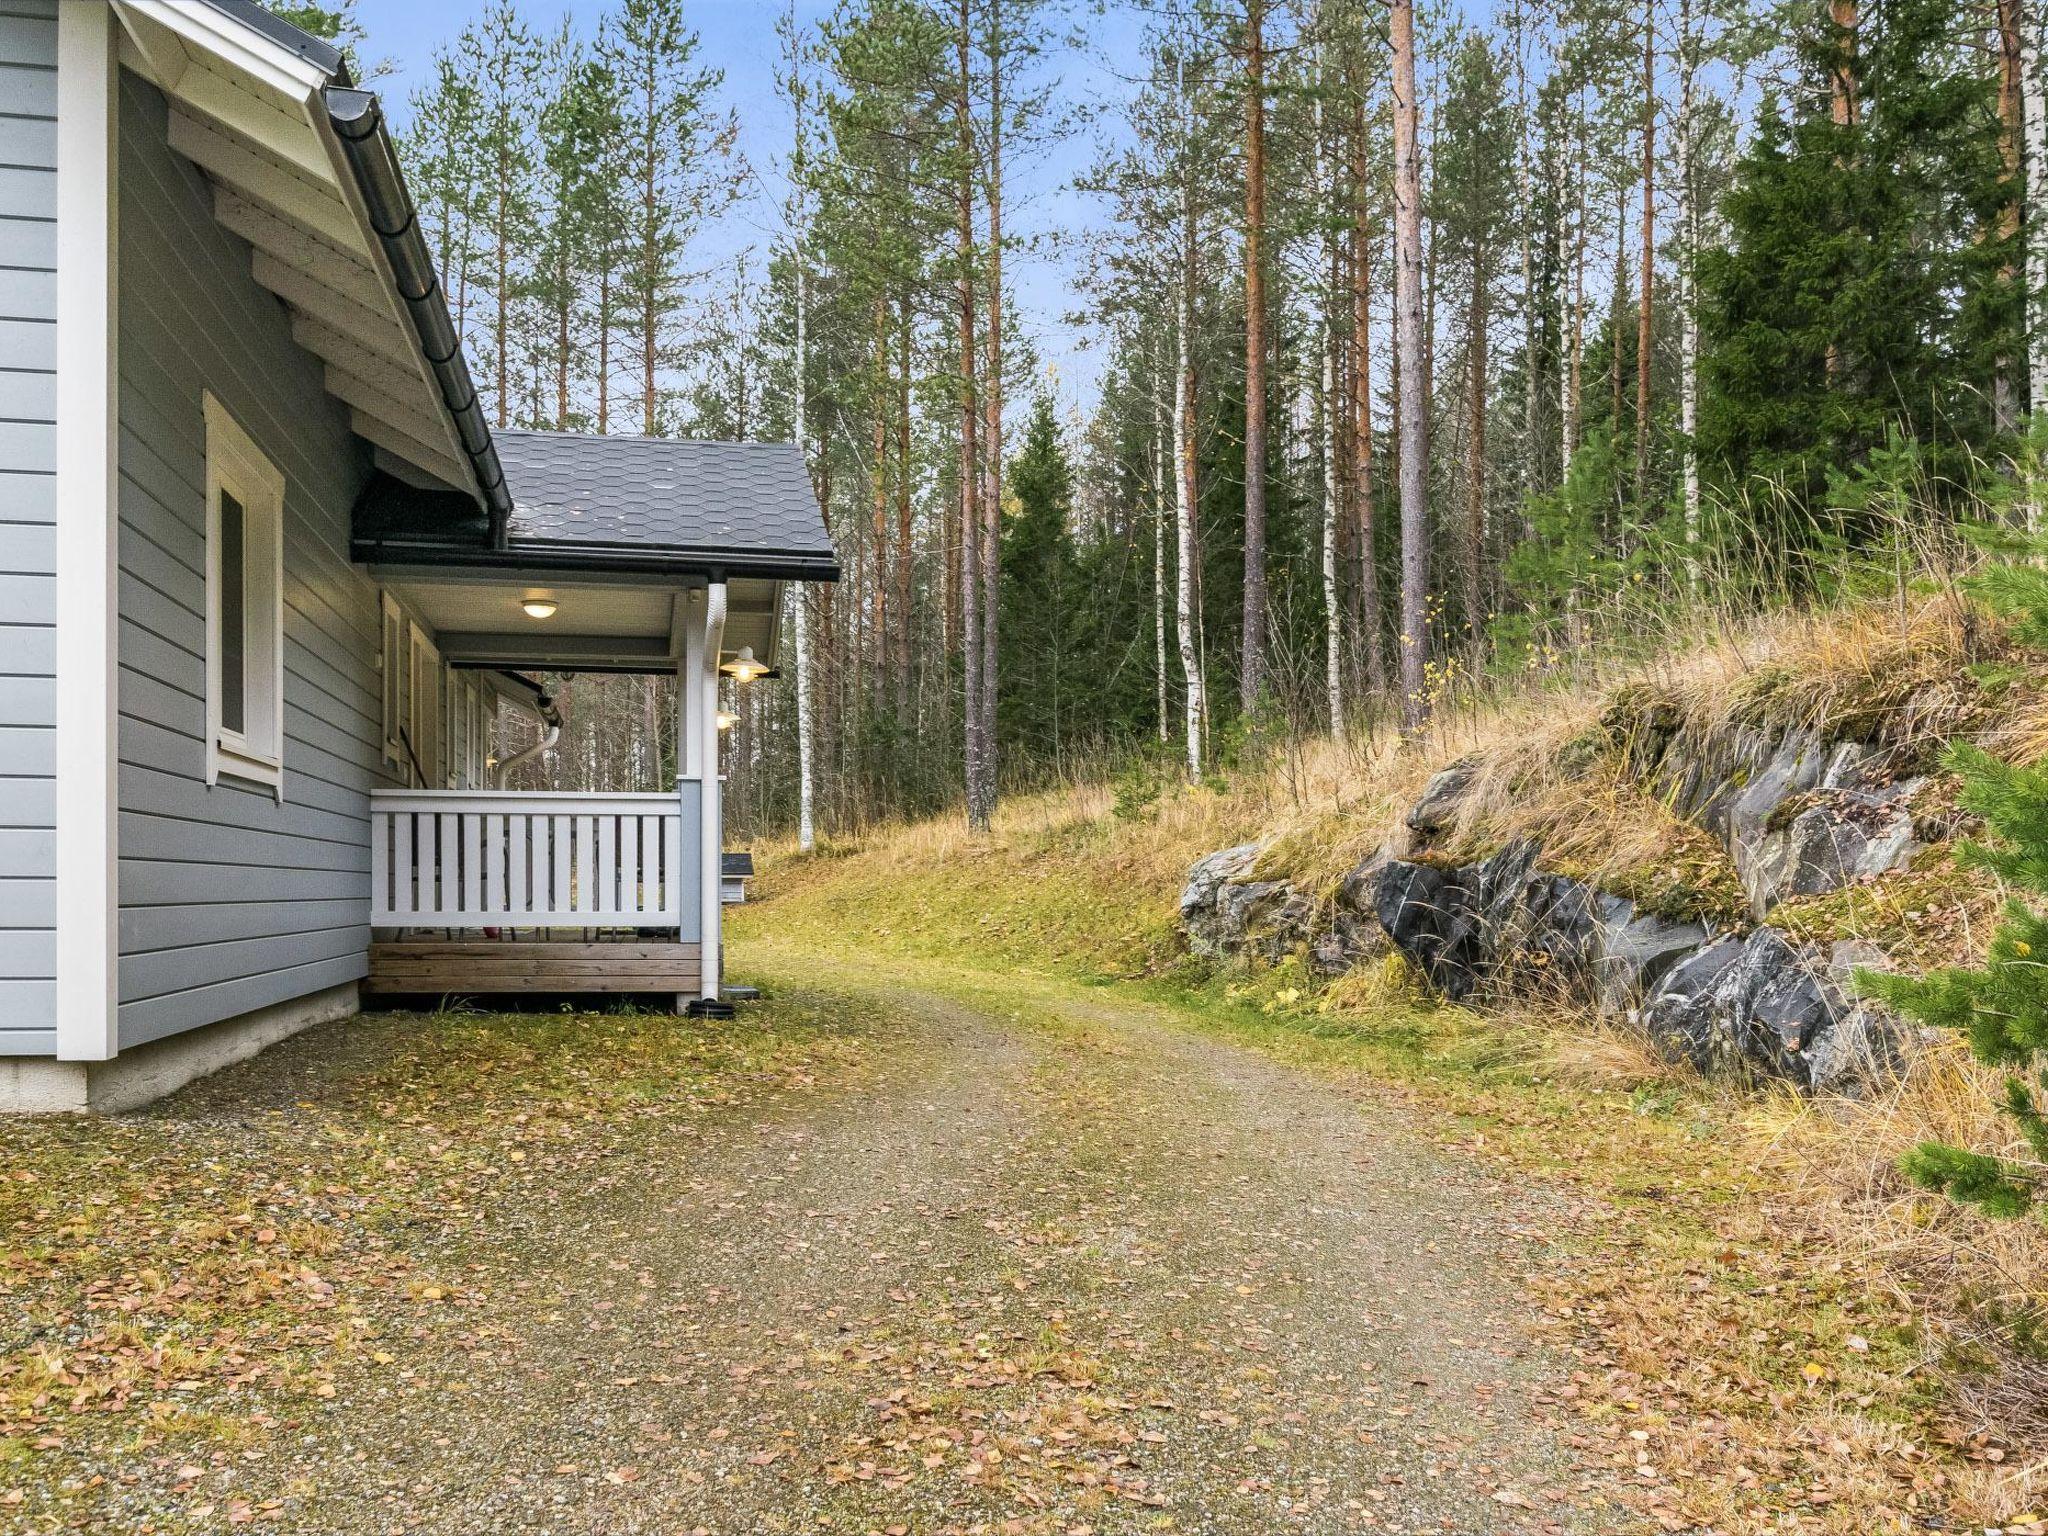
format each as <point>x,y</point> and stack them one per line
<point>2001,1006</point>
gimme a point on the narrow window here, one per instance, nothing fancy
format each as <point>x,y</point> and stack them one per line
<point>244,606</point>
<point>234,617</point>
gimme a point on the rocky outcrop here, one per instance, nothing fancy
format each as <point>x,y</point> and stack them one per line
<point>1222,913</point>
<point>1442,797</point>
<point>1200,917</point>
<point>1352,936</point>
<point>1799,815</point>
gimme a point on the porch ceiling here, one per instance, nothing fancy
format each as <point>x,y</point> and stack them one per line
<point>597,625</point>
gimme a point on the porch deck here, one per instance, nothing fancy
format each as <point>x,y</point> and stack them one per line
<point>503,891</point>
<point>442,966</point>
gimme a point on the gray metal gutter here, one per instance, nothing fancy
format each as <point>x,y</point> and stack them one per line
<point>358,120</point>
<point>663,560</point>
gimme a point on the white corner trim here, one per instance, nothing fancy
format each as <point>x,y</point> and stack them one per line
<point>88,534</point>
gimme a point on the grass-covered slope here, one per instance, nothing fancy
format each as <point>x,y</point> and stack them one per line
<point>1819,1342</point>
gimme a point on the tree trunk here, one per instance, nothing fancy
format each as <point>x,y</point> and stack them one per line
<point>905,550</point>
<point>1474,575</point>
<point>1649,255</point>
<point>650,257</point>
<point>806,768</point>
<point>1332,409</point>
<point>1525,188</point>
<point>2034,229</point>
<point>1162,500</point>
<point>878,503</point>
<point>1688,299</point>
<point>1184,457</point>
<point>604,344</point>
<point>1573,377</point>
<point>1616,309</point>
<point>1413,403</point>
<point>1371,625</point>
<point>992,424</point>
<point>970,459</point>
<point>1843,86</point>
<point>2011,179</point>
<point>1252,668</point>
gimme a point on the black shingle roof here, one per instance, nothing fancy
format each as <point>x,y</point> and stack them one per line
<point>748,498</point>
<point>615,503</point>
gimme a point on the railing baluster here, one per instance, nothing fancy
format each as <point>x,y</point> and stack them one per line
<point>629,866</point>
<point>403,904</point>
<point>559,894</point>
<point>472,862</point>
<point>380,867</point>
<point>606,831</point>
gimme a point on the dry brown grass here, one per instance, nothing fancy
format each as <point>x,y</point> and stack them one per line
<point>1067,878</point>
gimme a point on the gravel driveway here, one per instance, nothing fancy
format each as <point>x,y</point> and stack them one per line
<point>1088,1272</point>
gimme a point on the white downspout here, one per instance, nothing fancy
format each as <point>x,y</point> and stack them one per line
<point>711,839</point>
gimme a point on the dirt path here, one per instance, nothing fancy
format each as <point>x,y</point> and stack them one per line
<point>1088,1274</point>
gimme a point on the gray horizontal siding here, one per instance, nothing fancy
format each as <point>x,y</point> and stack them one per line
<point>28,507</point>
<point>230,900</point>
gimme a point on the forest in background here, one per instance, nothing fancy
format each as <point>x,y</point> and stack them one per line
<point>1439,346</point>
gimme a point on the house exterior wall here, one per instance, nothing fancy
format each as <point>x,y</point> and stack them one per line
<point>28,412</point>
<point>232,899</point>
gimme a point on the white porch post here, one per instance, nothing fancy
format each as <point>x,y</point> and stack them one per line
<point>87,872</point>
<point>711,796</point>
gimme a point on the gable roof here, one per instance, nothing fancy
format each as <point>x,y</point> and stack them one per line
<point>335,234</point>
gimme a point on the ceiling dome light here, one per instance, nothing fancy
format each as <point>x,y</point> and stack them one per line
<point>539,605</point>
<point>744,668</point>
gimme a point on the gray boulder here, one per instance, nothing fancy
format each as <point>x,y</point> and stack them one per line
<point>1442,797</point>
<point>1224,914</point>
<point>1353,935</point>
<point>1841,836</point>
<point>1633,953</point>
<point>1200,913</point>
<point>1457,924</point>
<point>1427,913</point>
<point>1761,1007</point>
<point>1863,1050</point>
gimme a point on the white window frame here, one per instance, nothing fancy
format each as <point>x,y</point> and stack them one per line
<point>235,464</point>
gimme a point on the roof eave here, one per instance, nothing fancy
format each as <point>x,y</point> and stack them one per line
<point>707,561</point>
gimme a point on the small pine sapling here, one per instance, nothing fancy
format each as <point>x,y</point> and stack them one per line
<point>2002,1005</point>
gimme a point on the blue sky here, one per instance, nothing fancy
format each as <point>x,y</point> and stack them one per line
<point>739,38</point>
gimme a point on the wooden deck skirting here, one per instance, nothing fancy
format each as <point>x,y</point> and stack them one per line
<point>442,966</point>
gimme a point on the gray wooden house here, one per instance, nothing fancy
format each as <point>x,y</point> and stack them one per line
<point>269,575</point>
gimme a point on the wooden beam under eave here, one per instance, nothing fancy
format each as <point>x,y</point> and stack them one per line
<point>275,185</point>
<point>434,461</point>
<point>367,396</point>
<point>250,118</point>
<point>291,244</point>
<point>351,356</point>
<point>372,331</point>
<point>534,649</point>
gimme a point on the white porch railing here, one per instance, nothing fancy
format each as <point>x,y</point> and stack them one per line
<point>504,858</point>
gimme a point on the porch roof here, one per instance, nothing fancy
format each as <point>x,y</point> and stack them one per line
<point>615,503</point>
